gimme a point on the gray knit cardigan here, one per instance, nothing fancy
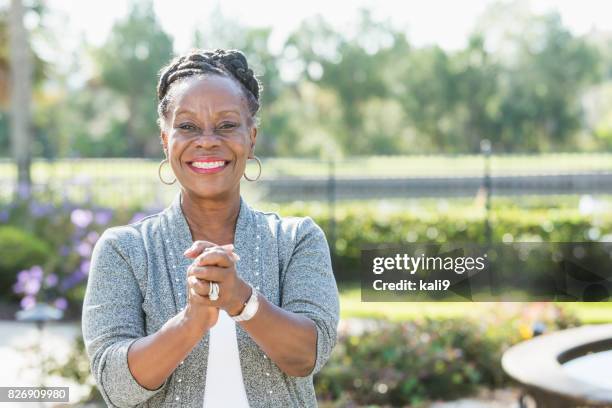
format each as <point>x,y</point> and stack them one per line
<point>137,282</point>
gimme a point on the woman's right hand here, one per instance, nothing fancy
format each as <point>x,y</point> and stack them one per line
<point>198,313</point>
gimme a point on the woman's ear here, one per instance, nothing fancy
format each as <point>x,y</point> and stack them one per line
<point>164,141</point>
<point>253,137</point>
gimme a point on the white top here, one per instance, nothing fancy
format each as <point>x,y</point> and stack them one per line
<point>224,384</point>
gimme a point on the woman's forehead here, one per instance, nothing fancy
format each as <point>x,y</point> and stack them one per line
<point>213,92</point>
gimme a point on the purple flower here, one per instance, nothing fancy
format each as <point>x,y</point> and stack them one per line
<point>4,215</point>
<point>73,279</point>
<point>31,287</point>
<point>39,210</point>
<point>92,237</point>
<point>79,274</point>
<point>137,217</point>
<point>64,250</point>
<point>66,283</point>
<point>81,218</point>
<point>84,249</point>
<point>22,276</point>
<point>103,217</point>
<point>84,268</point>
<point>61,303</point>
<point>29,281</point>
<point>51,280</point>
<point>28,302</point>
<point>36,272</point>
<point>18,287</point>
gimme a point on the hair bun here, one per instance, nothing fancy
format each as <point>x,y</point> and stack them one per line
<point>231,63</point>
<point>235,62</point>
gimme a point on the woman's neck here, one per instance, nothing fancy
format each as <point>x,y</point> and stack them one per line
<point>213,221</point>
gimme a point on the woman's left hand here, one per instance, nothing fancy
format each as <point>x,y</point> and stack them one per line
<point>217,264</point>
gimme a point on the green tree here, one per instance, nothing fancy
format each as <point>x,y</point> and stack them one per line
<point>254,43</point>
<point>128,64</point>
<point>541,100</point>
<point>475,77</point>
<point>355,69</point>
<point>544,71</point>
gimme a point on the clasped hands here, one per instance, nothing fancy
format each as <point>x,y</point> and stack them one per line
<point>214,263</point>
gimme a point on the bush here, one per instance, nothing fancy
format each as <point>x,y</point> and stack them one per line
<point>405,363</point>
<point>75,368</point>
<point>360,226</point>
<point>19,250</point>
<point>71,231</point>
<point>414,362</point>
<point>66,233</point>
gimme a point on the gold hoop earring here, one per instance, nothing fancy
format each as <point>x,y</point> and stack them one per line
<point>159,173</point>
<point>258,174</point>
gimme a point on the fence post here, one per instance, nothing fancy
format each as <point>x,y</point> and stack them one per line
<point>331,200</point>
<point>485,149</point>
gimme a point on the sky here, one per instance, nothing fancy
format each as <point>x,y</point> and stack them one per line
<point>446,23</point>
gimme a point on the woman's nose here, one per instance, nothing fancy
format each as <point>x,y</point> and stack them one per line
<point>207,139</point>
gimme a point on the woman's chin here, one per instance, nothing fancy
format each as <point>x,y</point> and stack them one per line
<point>208,190</point>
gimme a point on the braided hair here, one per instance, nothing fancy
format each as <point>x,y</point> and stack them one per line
<point>229,63</point>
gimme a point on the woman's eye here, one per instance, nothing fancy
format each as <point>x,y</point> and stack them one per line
<point>228,125</point>
<point>187,126</point>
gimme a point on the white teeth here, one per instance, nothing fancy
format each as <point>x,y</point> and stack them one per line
<point>208,165</point>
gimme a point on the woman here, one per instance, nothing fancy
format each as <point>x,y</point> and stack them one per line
<point>210,302</point>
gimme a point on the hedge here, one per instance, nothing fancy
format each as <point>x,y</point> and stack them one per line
<point>356,227</point>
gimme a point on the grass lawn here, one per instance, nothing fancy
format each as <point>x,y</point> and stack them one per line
<point>351,306</point>
<point>367,166</point>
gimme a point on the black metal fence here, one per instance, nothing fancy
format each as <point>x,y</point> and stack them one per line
<point>311,189</point>
<point>286,180</point>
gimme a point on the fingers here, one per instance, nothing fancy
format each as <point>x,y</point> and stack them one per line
<point>209,273</point>
<point>197,286</point>
<point>215,256</point>
<point>200,246</point>
<point>197,247</point>
<point>199,292</point>
<point>196,298</point>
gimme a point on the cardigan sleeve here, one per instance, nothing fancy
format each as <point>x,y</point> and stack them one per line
<point>309,287</point>
<point>112,321</point>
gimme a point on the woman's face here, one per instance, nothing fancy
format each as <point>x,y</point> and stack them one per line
<point>207,135</point>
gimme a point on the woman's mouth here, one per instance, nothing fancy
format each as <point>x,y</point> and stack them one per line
<point>207,167</point>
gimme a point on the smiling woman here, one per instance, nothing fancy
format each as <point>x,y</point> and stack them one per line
<point>210,302</point>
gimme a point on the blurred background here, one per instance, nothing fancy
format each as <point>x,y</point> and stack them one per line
<point>473,121</point>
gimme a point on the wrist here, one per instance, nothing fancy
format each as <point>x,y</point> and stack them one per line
<point>244,293</point>
<point>193,325</point>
